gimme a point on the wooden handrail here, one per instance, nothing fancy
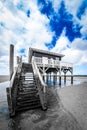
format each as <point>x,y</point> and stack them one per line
<point>13,88</point>
<point>40,85</point>
<point>13,77</point>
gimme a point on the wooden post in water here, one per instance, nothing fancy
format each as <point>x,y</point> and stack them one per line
<point>50,76</point>
<point>64,77</point>
<point>60,77</point>
<point>55,78</point>
<point>72,76</point>
<point>11,60</point>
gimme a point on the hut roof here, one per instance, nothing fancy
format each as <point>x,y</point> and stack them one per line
<point>32,50</point>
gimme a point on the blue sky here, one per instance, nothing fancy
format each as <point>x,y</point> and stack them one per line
<point>55,25</point>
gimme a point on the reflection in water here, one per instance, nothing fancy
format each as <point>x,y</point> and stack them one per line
<point>68,82</point>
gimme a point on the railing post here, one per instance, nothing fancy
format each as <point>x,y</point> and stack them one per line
<point>11,61</point>
<point>19,59</point>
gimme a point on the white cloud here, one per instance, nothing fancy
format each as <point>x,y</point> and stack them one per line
<point>56,4</point>
<point>4,65</point>
<point>83,22</point>
<point>79,44</point>
<point>74,52</point>
<point>62,43</point>
<point>20,30</point>
<point>73,6</point>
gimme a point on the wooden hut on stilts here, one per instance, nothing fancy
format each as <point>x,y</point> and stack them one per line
<point>28,88</point>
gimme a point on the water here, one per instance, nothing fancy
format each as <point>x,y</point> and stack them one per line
<point>4,116</point>
<point>5,121</point>
<point>76,80</point>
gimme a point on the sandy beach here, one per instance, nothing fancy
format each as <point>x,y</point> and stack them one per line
<point>67,110</point>
<point>74,100</point>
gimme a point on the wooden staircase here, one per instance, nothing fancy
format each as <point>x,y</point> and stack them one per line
<point>27,95</point>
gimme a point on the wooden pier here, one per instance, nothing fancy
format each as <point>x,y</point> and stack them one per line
<point>28,89</point>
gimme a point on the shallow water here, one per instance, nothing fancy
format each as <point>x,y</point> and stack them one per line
<point>4,116</point>
<point>76,81</point>
<point>30,117</point>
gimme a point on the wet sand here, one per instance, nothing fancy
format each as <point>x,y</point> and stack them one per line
<point>4,78</point>
<point>74,100</point>
<point>57,117</point>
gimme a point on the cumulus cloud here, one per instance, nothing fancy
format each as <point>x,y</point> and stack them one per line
<point>75,52</point>
<point>56,4</point>
<point>22,31</point>
<point>62,43</point>
<point>83,22</point>
<point>73,6</point>
<point>79,44</point>
<point>22,24</point>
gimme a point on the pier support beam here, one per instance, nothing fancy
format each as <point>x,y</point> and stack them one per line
<point>55,78</point>
<point>71,76</point>
<point>11,60</point>
<point>72,79</point>
<point>60,77</point>
<point>50,76</point>
<point>47,78</point>
<point>64,77</point>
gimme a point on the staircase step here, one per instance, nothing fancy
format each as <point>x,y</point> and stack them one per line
<point>28,96</point>
<point>28,102</point>
<point>28,107</point>
<point>19,99</point>
<point>26,78</point>
<point>27,89</point>
<point>28,83</point>
<point>27,92</point>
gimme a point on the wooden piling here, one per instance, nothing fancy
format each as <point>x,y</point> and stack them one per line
<point>11,60</point>
<point>54,79</point>
<point>60,77</point>
<point>64,78</point>
<point>72,76</point>
<point>59,80</point>
<point>50,76</point>
<point>71,79</point>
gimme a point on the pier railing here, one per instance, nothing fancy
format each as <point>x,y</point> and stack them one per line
<point>51,62</point>
<point>41,86</point>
